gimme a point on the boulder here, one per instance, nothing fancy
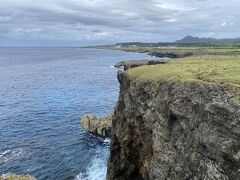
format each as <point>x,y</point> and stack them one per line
<point>100,126</point>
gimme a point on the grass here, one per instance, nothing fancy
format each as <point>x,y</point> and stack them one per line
<point>238,98</point>
<point>195,51</point>
<point>219,69</point>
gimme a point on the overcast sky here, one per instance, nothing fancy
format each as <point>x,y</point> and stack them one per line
<point>88,22</point>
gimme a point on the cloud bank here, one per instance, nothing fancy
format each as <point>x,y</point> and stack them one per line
<point>82,22</point>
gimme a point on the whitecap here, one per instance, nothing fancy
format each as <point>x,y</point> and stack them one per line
<point>4,153</point>
<point>10,154</point>
<point>97,169</point>
<point>79,177</point>
<point>112,67</point>
<point>107,141</point>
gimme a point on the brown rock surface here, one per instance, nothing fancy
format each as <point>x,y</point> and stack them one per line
<point>136,63</point>
<point>100,126</point>
<point>174,131</point>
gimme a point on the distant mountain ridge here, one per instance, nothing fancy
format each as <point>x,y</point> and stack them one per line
<point>187,41</point>
<point>197,40</point>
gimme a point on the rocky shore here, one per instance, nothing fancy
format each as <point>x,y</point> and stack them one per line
<point>169,54</point>
<point>160,54</point>
<point>172,123</point>
<point>10,176</point>
<point>136,63</point>
<point>100,126</point>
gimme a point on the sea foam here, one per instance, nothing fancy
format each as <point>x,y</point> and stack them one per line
<point>10,154</point>
<point>97,169</point>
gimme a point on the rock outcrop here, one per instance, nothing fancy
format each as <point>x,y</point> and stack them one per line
<point>100,126</point>
<point>10,176</point>
<point>174,131</point>
<point>170,54</point>
<point>136,63</point>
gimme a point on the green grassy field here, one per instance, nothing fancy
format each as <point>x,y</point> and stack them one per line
<point>195,51</point>
<point>219,69</point>
<point>206,63</point>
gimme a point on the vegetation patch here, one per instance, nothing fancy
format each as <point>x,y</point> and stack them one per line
<point>219,69</point>
<point>237,98</point>
<point>182,51</point>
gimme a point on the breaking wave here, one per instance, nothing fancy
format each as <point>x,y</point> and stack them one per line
<point>97,169</point>
<point>10,154</point>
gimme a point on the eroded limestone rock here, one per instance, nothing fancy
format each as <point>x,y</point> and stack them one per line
<point>100,126</point>
<point>10,176</point>
<point>174,131</point>
<point>136,63</point>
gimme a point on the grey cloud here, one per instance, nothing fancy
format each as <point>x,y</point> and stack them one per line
<point>115,21</point>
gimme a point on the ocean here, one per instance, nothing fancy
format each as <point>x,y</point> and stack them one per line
<point>43,92</point>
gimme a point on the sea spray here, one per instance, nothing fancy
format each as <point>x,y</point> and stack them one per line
<point>97,169</point>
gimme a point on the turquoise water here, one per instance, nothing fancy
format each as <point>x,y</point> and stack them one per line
<point>43,92</point>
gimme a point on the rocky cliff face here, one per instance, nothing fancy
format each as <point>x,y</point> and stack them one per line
<point>174,131</point>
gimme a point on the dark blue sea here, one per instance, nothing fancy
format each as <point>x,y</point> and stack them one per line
<point>43,92</point>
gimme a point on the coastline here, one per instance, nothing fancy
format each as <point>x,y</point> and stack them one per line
<point>159,126</point>
<point>53,95</point>
<point>152,115</point>
<point>140,97</point>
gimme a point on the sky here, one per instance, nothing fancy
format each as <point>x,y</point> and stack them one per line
<point>93,22</point>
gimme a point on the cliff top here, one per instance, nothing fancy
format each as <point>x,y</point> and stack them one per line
<point>220,69</point>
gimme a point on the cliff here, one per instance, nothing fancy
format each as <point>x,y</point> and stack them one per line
<point>174,129</point>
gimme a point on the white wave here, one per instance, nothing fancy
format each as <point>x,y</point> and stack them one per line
<point>79,177</point>
<point>2,154</point>
<point>107,141</point>
<point>10,154</point>
<point>112,67</point>
<point>96,171</point>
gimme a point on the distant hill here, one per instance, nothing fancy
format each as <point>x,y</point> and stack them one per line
<point>197,40</point>
<point>188,41</point>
